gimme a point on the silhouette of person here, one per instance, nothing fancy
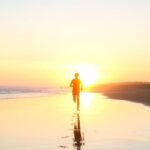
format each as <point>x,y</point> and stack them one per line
<point>77,86</point>
<point>78,137</point>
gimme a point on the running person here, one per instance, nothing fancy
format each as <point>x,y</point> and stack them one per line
<point>77,86</point>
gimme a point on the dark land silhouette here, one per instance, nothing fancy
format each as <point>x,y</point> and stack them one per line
<point>132,91</point>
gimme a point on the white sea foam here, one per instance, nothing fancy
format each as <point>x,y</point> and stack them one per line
<point>24,92</point>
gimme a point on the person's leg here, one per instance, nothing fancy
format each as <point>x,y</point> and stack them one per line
<point>74,97</point>
<point>78,102</point>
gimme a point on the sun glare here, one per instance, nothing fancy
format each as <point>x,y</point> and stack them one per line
<point>88,74</point>
<point>86,100</point>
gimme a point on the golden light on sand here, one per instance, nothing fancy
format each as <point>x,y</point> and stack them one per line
<point>89,74</point>
<point>86,100</point>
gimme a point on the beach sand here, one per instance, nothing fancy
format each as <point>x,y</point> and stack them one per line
<point>52,123</point>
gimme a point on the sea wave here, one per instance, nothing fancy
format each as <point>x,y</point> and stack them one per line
<point>24,92</point>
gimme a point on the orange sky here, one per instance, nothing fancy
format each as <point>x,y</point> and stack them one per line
<point>43,41</point>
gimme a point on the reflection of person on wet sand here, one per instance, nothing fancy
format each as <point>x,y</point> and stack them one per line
<point>76,85</point>
<point>78,138</point>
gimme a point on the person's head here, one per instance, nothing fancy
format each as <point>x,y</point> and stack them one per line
<point>76,75</point>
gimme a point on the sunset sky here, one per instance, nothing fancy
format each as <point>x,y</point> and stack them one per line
<point>42,41</point>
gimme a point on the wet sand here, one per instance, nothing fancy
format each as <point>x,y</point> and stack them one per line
<point>52,122</point>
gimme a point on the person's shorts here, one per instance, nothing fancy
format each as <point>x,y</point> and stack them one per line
<point>75,92</point>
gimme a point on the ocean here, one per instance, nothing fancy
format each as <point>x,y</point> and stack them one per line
<point>24,92</point>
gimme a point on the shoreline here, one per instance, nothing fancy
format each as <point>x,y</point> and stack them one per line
<point>134,92</point>
<point>136,96</point>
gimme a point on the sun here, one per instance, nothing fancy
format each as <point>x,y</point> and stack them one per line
<point>87,73</point>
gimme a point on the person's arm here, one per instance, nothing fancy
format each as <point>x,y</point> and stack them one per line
<point>81,85</point>
<point>71,83</point>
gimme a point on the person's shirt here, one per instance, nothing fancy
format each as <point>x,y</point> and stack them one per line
<point>76,84</point>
